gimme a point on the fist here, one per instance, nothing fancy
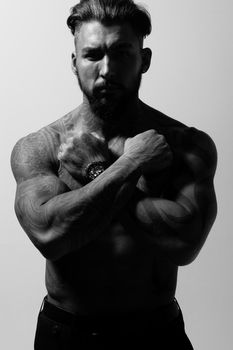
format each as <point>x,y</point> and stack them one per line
<point>78,151</point>
<point>150,150</point>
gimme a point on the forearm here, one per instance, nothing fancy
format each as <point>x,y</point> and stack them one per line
<point>172,227</point>
<point>75,218</point>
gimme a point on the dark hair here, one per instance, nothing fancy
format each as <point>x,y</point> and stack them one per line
<point>108,12</point>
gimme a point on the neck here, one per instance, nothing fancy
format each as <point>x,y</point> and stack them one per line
<point>107,128</point>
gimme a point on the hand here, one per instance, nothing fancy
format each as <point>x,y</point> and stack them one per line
<point>78,151</point>
<point>150,150</point>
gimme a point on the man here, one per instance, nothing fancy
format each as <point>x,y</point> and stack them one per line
<point>115,195</point>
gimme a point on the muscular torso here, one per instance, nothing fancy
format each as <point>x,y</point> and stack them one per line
<point>122,269</point>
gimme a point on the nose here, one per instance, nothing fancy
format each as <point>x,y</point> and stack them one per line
<point>106,67</point>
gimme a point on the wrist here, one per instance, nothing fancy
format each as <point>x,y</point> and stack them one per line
<point>94,169</point>
<point>133,162</point>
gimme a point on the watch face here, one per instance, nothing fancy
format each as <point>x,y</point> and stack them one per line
<point>95,169</point>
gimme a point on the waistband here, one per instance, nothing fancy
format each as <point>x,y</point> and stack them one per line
<point>104,322</point>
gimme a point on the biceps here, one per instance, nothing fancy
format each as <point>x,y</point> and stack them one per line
<point>199,198</point>
<point>30,197</point>
<point>189,215</point>
<point>207,204</point>
<point>164,214</point>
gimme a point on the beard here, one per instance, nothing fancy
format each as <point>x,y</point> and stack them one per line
<point>111,107</point>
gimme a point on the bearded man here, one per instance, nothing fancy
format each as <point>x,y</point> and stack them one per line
<point>115,195</point>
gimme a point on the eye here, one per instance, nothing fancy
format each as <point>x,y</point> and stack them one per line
<point>93,55</point>
<point>124,53</point>
<point>121,53</point>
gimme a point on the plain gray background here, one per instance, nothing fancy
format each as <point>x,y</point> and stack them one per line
<point>191,79</point>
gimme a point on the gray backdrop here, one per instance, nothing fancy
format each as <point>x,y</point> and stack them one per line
<point>190,79</point>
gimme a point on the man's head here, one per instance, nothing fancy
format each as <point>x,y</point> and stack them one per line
<point>109,58</point>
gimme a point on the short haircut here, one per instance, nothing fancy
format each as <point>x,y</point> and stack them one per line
<point>109,12</point>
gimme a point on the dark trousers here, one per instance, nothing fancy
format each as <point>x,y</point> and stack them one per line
<point>59,330</point>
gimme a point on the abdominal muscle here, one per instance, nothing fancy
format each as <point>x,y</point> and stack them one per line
<point>122,270</point>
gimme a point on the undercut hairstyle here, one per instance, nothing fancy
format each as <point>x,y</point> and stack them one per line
<point>109,12</point>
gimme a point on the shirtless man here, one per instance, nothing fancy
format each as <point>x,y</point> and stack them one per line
<point>115,195</point>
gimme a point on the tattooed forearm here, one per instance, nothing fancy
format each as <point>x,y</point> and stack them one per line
<point>60,221</point>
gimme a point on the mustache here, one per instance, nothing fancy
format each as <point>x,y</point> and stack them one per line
<point>108,84</point>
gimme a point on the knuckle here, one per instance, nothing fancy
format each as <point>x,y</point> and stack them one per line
<point>162,138</point>
<point>149,133</point>
<point>154,133</point>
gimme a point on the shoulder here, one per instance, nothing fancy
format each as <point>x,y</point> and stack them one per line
<point>194,152</point>
<point>201,149</point>
<point>191,139</point>
<point>171,128</point>
<point>31,155</point>
<point>196,145</point>
<point>177,131</point>
<point>36,153</point>
<point>200,139</point>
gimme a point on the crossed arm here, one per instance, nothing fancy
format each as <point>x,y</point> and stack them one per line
<point>57,220</point>
<point>179,225</point>
<point>60,221</point>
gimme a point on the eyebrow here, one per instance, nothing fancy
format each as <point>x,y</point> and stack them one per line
<point>123,45</point>
<point>114,46</point>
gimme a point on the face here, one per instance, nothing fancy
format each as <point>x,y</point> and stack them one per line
<point>109,63</point>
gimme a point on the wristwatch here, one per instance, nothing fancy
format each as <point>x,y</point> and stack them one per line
<point>93,170</point>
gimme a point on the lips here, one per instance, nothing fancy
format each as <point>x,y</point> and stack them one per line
<point>107,87</point>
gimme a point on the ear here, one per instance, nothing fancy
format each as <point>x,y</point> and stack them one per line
<point>146,59</point>
<point>73,63</point>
